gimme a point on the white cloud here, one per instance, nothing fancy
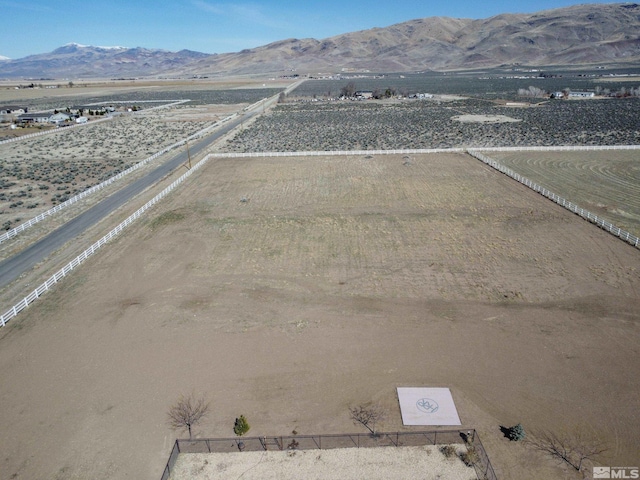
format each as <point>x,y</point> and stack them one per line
<point>243,12</point>
<point>208,7</point>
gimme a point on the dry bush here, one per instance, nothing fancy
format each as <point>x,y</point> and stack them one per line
<point>470,456</point>
<point>572,448</point>
<point>368,416</point>
<point>187,412</point>
<point>449,451</point>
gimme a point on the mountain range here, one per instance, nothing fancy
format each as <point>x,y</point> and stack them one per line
<point>578,35</point>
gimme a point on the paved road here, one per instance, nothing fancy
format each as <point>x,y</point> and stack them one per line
<point>12,267</point>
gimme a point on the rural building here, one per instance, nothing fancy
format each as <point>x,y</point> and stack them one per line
<point>77,109</point>
<point>573,95</point>
<point>581,94</point>
<point>82,120</point>
<point>364,94</point>
<point>80,109</point>
<point>12,109</point>
<point>59,118</point>
<point>34,117</point>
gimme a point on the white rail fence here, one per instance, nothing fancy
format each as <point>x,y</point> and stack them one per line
<point>417,151</point>
<point>59,275</point>
<point>587,215</point>
<point>93,122</point>
<point>338,153</point>
<point>57,130</point>
<point>602,223</point>
<point>33,296</point>
<point>22,227</point>
<point>562,148</point>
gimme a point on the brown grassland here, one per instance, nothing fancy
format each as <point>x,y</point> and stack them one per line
<point>607,183</point>
<point>288,289</point>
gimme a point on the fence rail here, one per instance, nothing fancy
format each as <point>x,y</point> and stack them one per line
<point>631,239</point>
<point>572,207</point>
<point>417,151</point>
<point>50,132</point>
<point>33,296</point>
<point>469,438</point>
<point>22,227</point>
<point>93,122</point>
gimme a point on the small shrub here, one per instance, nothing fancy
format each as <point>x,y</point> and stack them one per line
<point>448,451</point>
<point>241,426</point>
<point>516,433</point>
<point>470,457</point>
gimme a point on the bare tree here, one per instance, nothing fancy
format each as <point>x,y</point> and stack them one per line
<point>348,90</point>
<point>572,448</point>
<point>368,416</point>
<point>187,412</point>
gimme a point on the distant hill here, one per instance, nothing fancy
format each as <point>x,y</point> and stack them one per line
<point>577,35</point>
<point>83,61</point>
<point>583,34</point>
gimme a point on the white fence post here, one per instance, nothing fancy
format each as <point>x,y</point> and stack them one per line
<point>20,228</point>
<point>631,239</point>
<point>89,251</point>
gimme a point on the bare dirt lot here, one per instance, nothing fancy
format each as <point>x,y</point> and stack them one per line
<point>288,289</point>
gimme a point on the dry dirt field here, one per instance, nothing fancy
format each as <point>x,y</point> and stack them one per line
<point>334,282</point>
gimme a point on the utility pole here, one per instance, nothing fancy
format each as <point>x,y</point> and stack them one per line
<point>188,155</point>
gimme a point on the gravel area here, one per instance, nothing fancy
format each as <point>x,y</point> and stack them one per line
<point>426,463</point>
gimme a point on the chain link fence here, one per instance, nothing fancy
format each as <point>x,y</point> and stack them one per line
<point>468,438</point>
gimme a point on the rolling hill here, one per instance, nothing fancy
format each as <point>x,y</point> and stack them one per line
<point>578,35</point>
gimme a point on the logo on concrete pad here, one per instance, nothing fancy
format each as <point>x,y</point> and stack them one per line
<point>427,405</point>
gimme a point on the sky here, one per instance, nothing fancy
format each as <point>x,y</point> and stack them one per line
<point>39,26</point>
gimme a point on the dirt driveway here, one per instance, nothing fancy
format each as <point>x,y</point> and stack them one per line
<point>288,289</point>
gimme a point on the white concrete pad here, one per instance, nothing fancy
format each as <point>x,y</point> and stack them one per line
<point>427,406</point>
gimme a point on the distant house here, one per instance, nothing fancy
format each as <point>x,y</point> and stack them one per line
<point>12,109</point>
<point>581,94</point>
<point>34,117</point>
<point>570,94</point>
<point>59,118</point>
<point>364,94</point>
<point>421,96</point>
